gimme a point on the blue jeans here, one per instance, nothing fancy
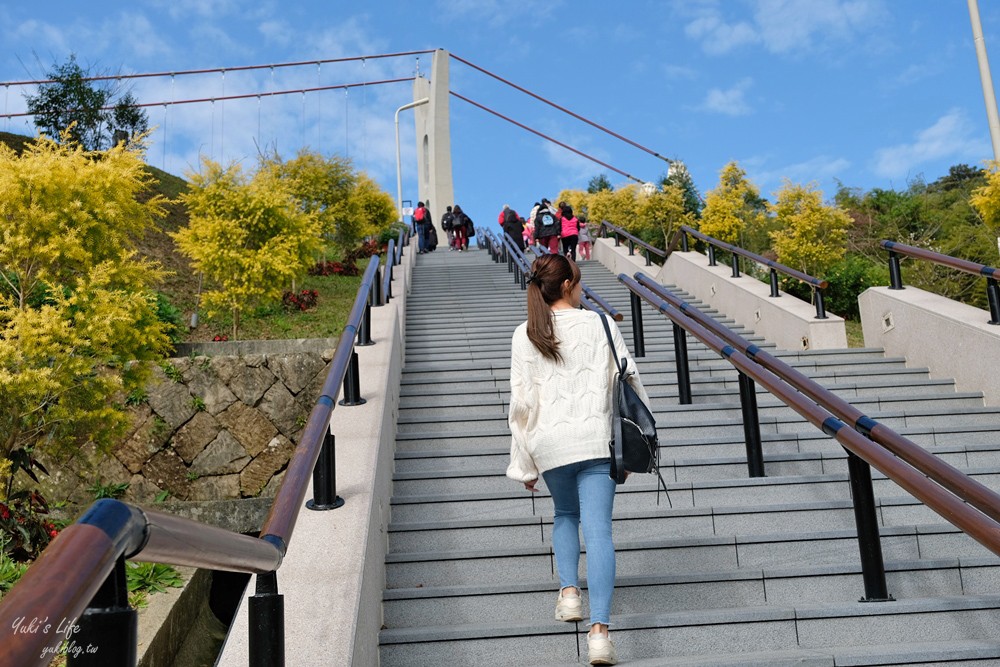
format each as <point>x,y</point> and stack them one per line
<point>584,494</point>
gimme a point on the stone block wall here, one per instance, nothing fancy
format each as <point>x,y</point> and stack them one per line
<point>211,428</point>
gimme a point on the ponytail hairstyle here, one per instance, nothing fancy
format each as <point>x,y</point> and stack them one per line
<point>548,274</point>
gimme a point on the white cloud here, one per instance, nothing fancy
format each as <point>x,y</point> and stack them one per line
<point>819,169</point>
<point>138,35</point>
<point>951,137</point>
<point>43,36</point>
<point>781,26</point>
<point>731,102</point>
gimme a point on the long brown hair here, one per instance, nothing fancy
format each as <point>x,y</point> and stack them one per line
<point>548,274</point>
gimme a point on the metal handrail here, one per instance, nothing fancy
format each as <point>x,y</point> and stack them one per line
<point>991,274</point>
<point>979,495</point>
<point>89,552</point>
<point>818,284</point>
<point>632,241</point>
<point>950,505</point>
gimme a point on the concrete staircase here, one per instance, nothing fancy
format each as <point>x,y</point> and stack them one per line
<point>737,572</point>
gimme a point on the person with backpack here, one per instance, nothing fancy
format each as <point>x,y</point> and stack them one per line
<point>422,219</point>
<point>547,225</point>
<point>447,222</point>
<point>570,230</point>
<point>562,371</point>
<point>512,225</point>
<point>462,226</point>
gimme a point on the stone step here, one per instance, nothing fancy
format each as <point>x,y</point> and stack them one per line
<point>641,492</point>
<point>649,636</point>
<point>491,478</point>
<point>811,584</point>
<point>536,530</point>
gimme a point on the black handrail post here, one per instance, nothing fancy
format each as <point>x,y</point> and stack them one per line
<point>638,336</point>
<point>869,543</point>
<point>684,241</point>
<point>993,296</point>
<point>751,426</point>
<point>107,633</point>
<point>618,239</point>
<point>895,276</point>
<point>649,258</point>
<point>377,299</point>
<point>820,306</point>
<point>774,283</point>
<point>266,612</point>
<point>325,477</point>
<point>352,384</point>
<point>736,265</point>
<point>681,362</point>
<point>631,247</point>
<point>365,329</point>
<point>711,255</point>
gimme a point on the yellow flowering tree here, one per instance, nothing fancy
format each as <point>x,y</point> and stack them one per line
<point>986,200</point>
<point>811,236</point>
<point>76,309</point>
<point>247,234</point>
<point>734,208</point>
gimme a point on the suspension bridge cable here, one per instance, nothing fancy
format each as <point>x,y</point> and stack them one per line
<point>548,138</point>
<point>245,96</point>
<point>563,109</point>
<point>241,68</point>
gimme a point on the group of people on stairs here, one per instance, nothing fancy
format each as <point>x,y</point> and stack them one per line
<point>548,225</point>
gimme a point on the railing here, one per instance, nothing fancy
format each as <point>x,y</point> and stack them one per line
<point>962,501</point>
<point>988,272</point>
<point>79,579</point>
<point>517,262</point>
<point>818,284</point>
<point>633,241</point>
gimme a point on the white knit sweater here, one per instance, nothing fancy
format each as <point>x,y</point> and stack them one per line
<point>560,413</point>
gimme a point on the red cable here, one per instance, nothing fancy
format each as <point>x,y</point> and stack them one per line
<point>563,109</point>
<point>241,97</point>
<point>544,136</point>
<point>225,69</point>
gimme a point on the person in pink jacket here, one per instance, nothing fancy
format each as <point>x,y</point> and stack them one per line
<point>570,230</point>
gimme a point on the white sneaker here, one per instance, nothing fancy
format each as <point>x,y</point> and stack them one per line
<point>569,607</point>
<point>601,650</point>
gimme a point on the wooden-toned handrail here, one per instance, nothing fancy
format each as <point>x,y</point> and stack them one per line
<point>618,231</point>
<point>977,494</point>
<point>64,579</point>
<point>950,506</point>
<point>991,274</point>
<point>280,521</point>
<point>956,263</point>
<point>770,263</point>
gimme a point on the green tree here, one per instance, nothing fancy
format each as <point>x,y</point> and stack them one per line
<point>92,114</point>
<point>811,235</point>
<point>734,211</point>
<point>76,309</point>
<point>599,183</point>
<point>248,235</point>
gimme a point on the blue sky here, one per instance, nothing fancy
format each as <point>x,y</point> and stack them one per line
<point>873,93</point>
